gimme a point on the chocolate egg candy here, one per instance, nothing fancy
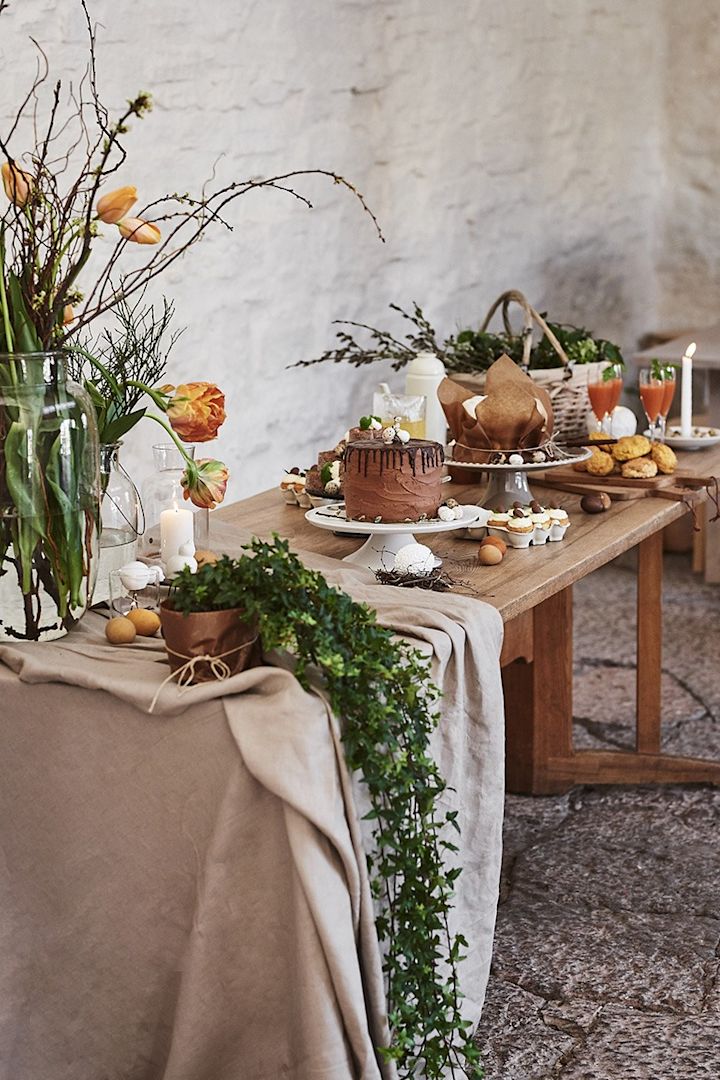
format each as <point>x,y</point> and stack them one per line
<point>489,555</point>
<point>595,503</point>
<point>605,498</point>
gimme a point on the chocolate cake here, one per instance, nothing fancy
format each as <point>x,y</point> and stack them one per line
<point>393,481</point>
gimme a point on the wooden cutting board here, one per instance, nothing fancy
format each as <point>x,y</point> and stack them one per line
<point>679,485</point>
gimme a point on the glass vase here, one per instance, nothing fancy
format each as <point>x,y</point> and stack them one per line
<point>120,518</point>
<point>163,491</point>
<point>49,497</point>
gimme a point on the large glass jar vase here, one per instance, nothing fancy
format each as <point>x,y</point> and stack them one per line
<point>163,491</point>
<point>120,518</point>
<point>49,497</point>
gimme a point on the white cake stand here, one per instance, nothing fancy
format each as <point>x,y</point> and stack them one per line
<point>386,538</point>
<point>509,483</point>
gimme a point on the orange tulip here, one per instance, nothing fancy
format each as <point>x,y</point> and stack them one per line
<point>196,411</point>
<point>204,482</point>
<point>68,315</point>
<point>139,231</point>
<point>17,183</point>
<point>114,206</point>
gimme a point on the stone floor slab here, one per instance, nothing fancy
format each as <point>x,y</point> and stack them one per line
<point>630,1045</point>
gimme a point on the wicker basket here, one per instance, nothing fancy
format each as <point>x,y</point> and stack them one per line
<point>566,384</point>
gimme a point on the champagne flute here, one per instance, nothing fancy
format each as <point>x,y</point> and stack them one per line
<point>669,376</point>
<point>652,395</point>
<point>604,390</point>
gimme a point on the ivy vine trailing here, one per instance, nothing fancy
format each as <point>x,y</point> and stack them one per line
<point>382,691</point>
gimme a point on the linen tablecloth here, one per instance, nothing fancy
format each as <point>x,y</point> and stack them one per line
<point>183,896</point>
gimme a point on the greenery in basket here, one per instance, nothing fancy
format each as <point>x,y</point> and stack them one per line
<point>62,208</point>
<point>467,351</point>
<point>381,690</point>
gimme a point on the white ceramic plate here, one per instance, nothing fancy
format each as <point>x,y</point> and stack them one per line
<point>700,439</point>
<point>333,517</point>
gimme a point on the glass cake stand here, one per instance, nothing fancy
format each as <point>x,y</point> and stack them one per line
<point>509,483</point>
<point>386,538</point>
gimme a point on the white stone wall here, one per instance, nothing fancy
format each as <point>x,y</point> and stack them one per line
<point>501,144</point>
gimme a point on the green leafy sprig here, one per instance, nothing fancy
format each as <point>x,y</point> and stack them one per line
<point>467,351</point>
<point>383,693</point>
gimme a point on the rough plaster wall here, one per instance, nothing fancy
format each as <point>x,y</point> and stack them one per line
<point>689,239</point>
<point>501,144</point>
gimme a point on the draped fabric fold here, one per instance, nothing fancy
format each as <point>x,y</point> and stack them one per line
<point>183,895</point>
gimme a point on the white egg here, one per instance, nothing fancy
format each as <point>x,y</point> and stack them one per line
<point>622,422</point>
<point>414,559</point>
<point>187,549</point>
<point>515,459</point>
<point>135,576</point>
<point>446,513</point>
<point>403,435</point>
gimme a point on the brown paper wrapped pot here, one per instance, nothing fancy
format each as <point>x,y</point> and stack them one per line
<point>221,634</point>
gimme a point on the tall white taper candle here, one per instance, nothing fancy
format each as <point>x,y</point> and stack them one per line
<point>686,392</point>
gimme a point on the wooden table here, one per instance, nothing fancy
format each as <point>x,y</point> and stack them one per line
<point>532,590</point>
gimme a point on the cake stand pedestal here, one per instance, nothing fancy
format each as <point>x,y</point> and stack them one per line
<point>509,483</point>
<point>386,538</point>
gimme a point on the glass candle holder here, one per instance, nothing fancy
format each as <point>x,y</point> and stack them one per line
<point>163,491</point>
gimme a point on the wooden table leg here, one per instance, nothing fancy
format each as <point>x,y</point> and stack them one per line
<point>538,701</point>
<point>649,644</point>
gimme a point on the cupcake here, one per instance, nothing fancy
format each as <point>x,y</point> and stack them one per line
<point>499,519</point>
<point>520,523</point>
<point>540,516</point>
<point>558,516</point>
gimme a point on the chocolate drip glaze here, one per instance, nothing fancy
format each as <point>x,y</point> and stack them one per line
<point>393,481</point>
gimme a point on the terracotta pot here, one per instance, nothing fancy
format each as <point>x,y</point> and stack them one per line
<point>223,635</point>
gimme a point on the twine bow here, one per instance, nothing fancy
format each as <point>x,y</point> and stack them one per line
<point>186,672</point>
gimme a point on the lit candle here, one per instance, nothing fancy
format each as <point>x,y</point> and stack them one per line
<point>176,530</point>
<point>686,392</point>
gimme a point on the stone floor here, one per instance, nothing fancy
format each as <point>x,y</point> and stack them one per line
<point>607,954</point>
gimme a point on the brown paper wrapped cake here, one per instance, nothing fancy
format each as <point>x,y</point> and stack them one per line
<point>513,415</point>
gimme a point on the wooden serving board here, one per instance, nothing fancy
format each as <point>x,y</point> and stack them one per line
<point>679,485</point>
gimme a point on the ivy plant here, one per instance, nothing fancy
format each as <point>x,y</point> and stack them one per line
<point>382,691</point>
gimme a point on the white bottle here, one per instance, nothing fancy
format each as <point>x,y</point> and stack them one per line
<point>424,375</point>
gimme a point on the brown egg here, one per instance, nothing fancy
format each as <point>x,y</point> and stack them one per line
<point>489,555</point>
<point>596,503</point>
<point>206,558</point>
<point>497,541</point>
<point>120,631</point>
<point>145,622</point>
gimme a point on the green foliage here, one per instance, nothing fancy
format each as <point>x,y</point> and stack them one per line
<point>117,368</point>
<point>467,351</point>
<point>661,369</point>
<point>382,691</point>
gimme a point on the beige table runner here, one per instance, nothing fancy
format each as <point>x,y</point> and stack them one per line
<point>173,908</point>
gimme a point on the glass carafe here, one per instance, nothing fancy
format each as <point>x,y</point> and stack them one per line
<point>120,518</point>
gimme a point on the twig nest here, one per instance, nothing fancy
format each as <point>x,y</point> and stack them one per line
<point>414,559</point>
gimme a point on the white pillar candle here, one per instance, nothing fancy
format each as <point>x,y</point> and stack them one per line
<point>686,392</point>
<point>176,530</point>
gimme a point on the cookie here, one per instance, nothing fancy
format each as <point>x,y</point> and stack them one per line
<point>600,464</point>
<point>631,446</point>
<point>664,457</point>
<point>640,468</point>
